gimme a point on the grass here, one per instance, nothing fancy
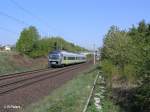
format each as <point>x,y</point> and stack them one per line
<point>109,106</point>
<point>6,66</point>
<point>71,97</point>
<point>13,62</point>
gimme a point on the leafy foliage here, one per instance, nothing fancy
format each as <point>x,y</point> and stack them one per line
<point>32,45</point>
<point>129,53</point>
<point>27,41</point>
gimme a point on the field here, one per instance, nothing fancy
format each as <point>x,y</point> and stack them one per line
<point>12,62</point>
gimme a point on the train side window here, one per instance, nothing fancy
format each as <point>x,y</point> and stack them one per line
<point>68,58</point>
<point>65,58</point>
<point>71,58</point>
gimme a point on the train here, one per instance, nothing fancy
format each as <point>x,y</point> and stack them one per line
<point>62,58</point>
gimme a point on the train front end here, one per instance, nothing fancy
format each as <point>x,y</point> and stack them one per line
<point>54,59</point>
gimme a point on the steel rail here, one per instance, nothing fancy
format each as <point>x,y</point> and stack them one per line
<point>2,77</point>
<point>35,79</point>
<point>29,77</point>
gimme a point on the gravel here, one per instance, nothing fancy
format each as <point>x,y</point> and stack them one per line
<point>20,98</point>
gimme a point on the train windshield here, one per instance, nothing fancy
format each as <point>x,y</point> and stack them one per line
<point>54,56</point>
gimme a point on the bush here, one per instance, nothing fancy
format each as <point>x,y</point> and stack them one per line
<point>109,70</point>
<point>130,73</point>
<point>126,53</point>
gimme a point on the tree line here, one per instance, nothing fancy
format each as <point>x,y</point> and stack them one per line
<point>126,54</point>
<point>32,44</point>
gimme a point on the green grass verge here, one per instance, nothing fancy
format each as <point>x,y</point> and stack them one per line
<point>71,97</point>
<point>13,62</point>
<point>6,66</point>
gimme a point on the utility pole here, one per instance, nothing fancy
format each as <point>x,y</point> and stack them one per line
<point>94,53</point>
<point>60,44</point>
<point>48,34</point>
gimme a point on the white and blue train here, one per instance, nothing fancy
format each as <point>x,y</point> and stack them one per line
<point>62,58</point>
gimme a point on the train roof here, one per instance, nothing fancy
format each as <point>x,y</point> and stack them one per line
<point>67,53</point>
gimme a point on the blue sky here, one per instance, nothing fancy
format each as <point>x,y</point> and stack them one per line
<point>83,22</point>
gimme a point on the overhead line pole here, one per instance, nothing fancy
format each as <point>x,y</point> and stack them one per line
<point>94,53</point>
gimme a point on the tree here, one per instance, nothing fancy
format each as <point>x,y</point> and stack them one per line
<point>31,44</point>
<point>117,47</point>
<point>130,52</point>
<point>27,40</point>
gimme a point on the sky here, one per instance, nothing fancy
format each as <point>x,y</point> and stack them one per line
<point>82,22</point>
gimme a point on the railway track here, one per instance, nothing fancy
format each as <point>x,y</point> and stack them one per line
<point>2,77</point>
<point>12,82</point>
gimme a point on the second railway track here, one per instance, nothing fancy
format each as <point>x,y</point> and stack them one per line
<point>11,83</point>
<point>8,76</point>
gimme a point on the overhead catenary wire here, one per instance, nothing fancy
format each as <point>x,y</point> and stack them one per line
<point>30,13</point>
<point>13,18</point>
<point>7,30</point>
<point>22,22</point>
